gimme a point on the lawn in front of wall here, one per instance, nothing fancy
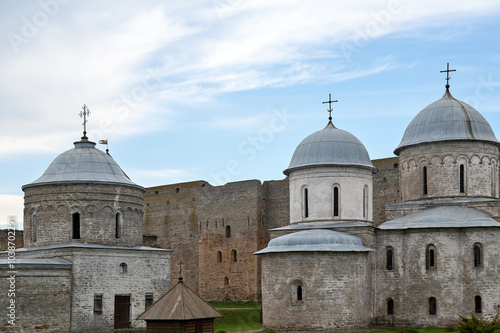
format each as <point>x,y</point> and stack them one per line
<point>238,316</point>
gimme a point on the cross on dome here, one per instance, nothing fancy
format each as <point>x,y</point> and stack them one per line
<point>448,70</point>
<point>84,114</point>
<point>330,106</point>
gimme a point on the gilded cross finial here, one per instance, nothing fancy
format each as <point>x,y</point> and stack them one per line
<point>448,70</point>
<point>84,114</point>
<point>330,106</point>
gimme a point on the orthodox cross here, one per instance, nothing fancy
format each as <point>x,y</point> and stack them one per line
<point>180,271</point>
<point>448,70</point>
<point>84,114</point>
<point>330,105</point>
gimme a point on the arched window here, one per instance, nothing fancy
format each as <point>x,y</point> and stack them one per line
<point>336,200</point>
<point>477,304</point>
<point>299,293</point>
<point>76,225</point>
<point>432,306</point>
<point>390,306</point>
<point>477,255</point>
<point>226,281</point>
<point>430,256</point>
<point>118,225</point>
<point>365,201</point>
<point>228,231</point>
<point>462,178</point>
<point>424,180</point>
<point>123,268</point>
<point>306,203</point>
<point>33,228</point>
<point>234,256</point>
<point>389,258</point>
<point>219,256</point>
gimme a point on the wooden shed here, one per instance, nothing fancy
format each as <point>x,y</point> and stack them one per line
<point>180,310</point>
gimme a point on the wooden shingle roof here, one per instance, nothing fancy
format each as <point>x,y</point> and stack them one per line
<point>180,303</point>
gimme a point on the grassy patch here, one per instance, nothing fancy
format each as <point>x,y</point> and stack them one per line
<point>238,316</point>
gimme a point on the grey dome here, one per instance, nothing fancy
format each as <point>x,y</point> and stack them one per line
<point>444,120</point>
<point>330,147</point>
<point>322,240</point>
<point>84,164</point>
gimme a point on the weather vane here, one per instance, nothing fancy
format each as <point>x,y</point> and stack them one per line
<point>84,114</point>
<point>448,70</point>
<point>330,106</point>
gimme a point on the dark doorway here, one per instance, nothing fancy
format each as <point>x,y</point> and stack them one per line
<point>122,311</point>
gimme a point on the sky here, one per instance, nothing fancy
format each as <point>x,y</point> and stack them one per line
<point>225,90</point>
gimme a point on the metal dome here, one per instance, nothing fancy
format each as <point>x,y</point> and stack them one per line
<point>84,164</point>
<point>444,120</point>
<point>330,147</point>
<point>322,240</point>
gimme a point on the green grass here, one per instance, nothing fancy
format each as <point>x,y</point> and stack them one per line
<point>238,316</point>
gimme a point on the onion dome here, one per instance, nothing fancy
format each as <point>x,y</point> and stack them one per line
<point>321,240</point>
<point>330,147</point>
<point>447,119</point>
<point>84,164</point>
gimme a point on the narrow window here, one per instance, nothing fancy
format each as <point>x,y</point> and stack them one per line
<point>462,178</point>
<point>424,176</point>
<point>477,304</point>
<point>33,228</point>
<point>299,293</point>
<point>118,225</point>
<point>336,201</point>
<point>76,226</point>
<point>390,306</point>
<point>219,256</point>
<point>365,201</point>
<point>430,256</point>
<point>389,258</point>
<point>98,304</point>
<point>149,300</point>
<point>432,306</point>
<point>123,268</point>
<point>234,256</point>
<point>228,231</point>
<point>477,255</point>
<point>306,203</point>
<point>226,281</point>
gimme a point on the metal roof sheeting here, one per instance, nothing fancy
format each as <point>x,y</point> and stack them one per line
<point>444,120</point>
<point>321,240</point>
<point>442,217</point>
<point>84,164</point>
<point>330,147</point>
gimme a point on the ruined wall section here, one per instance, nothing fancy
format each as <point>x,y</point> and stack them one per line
<point>229,219</point>
<point>385,187</point>
<point>171,222</point>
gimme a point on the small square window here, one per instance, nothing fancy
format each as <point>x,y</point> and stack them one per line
<point>149,300</point>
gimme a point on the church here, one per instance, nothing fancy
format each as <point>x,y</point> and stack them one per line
<point>341,242</point>
<point>433,257</point>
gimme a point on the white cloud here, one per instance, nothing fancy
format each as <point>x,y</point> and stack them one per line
<point>149,178</point>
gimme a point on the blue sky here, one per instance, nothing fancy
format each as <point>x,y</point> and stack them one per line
<point>225,90</point>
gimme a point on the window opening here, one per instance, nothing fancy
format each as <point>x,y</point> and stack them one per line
<point>149,300</point>
<point>390,306</point>
<point>477,255</point>
<point>389,259</point>
<point>477,304</point>
<point>219,256</point>
<point>98,304</point>
<point>33,228</point>
<point>430,256</point>
<point>432,306</point>
<point>226,281</point>
<point>462,178</point>
<point>76,226</point>
<point>424,176</point>
<point>123,268</point>
<point>118,227</point>
<point>228,231</point>
<point>299,293</point>
<point>306,203</point>
<point>336,201</point>
<point>234,256</point>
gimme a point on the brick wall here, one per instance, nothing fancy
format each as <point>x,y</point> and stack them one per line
<point>4,239</point>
